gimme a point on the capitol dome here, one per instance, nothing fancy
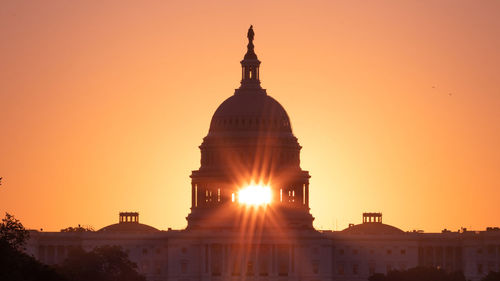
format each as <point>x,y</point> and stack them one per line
<point>128,227</point>
<point>250,111</point>
<point>249,141</point>
<point>128,222</point>
<point>372,229</point>
<point>372,225</point>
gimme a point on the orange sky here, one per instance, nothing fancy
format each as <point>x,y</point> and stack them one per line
<point>103,105</point>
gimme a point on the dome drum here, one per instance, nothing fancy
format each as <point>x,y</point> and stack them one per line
<point>250,123</point>
<point>249,157</point>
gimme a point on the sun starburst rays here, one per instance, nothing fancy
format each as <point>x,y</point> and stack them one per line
<point>255,195</point>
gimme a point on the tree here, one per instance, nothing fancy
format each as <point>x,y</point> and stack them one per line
<point>12,232</point>
<point>18,266</point>
<point>79,228</point>
<point>418,274</point>
<point>492,276</point>
<point>107,263</point>
<point>15,265</point>
<point>101,264</point>
<point>377,277</point>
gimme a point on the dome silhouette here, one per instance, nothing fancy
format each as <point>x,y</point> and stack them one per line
<point>250,111</point>
<point>128,227</point>
<point>128,222</point>
<point>249,141</point>
<point>372,228</point>
<point>372,225</point>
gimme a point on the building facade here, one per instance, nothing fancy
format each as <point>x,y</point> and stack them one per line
<point>250,143</point>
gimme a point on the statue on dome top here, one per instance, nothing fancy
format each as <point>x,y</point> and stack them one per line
<point>250,34</point>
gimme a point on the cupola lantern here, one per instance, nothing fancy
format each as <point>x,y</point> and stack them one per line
<point>250,64</point>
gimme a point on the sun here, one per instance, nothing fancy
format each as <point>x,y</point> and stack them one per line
<point>255,195</point>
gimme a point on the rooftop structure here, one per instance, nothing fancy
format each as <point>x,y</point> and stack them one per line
<point>250,147</point>
<point>372,224</point>
<point>128,222</point>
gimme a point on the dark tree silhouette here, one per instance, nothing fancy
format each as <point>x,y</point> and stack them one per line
<point>16,265</point>
<point>101,264</point>
<point>78,228</point>
<point>12,232</point>
<point>377,277</point>
<point>419,274</point>
<point>107,263</point>
<point>492,276</point>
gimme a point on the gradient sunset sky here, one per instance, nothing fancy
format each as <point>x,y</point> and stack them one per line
<point>103,105</point>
